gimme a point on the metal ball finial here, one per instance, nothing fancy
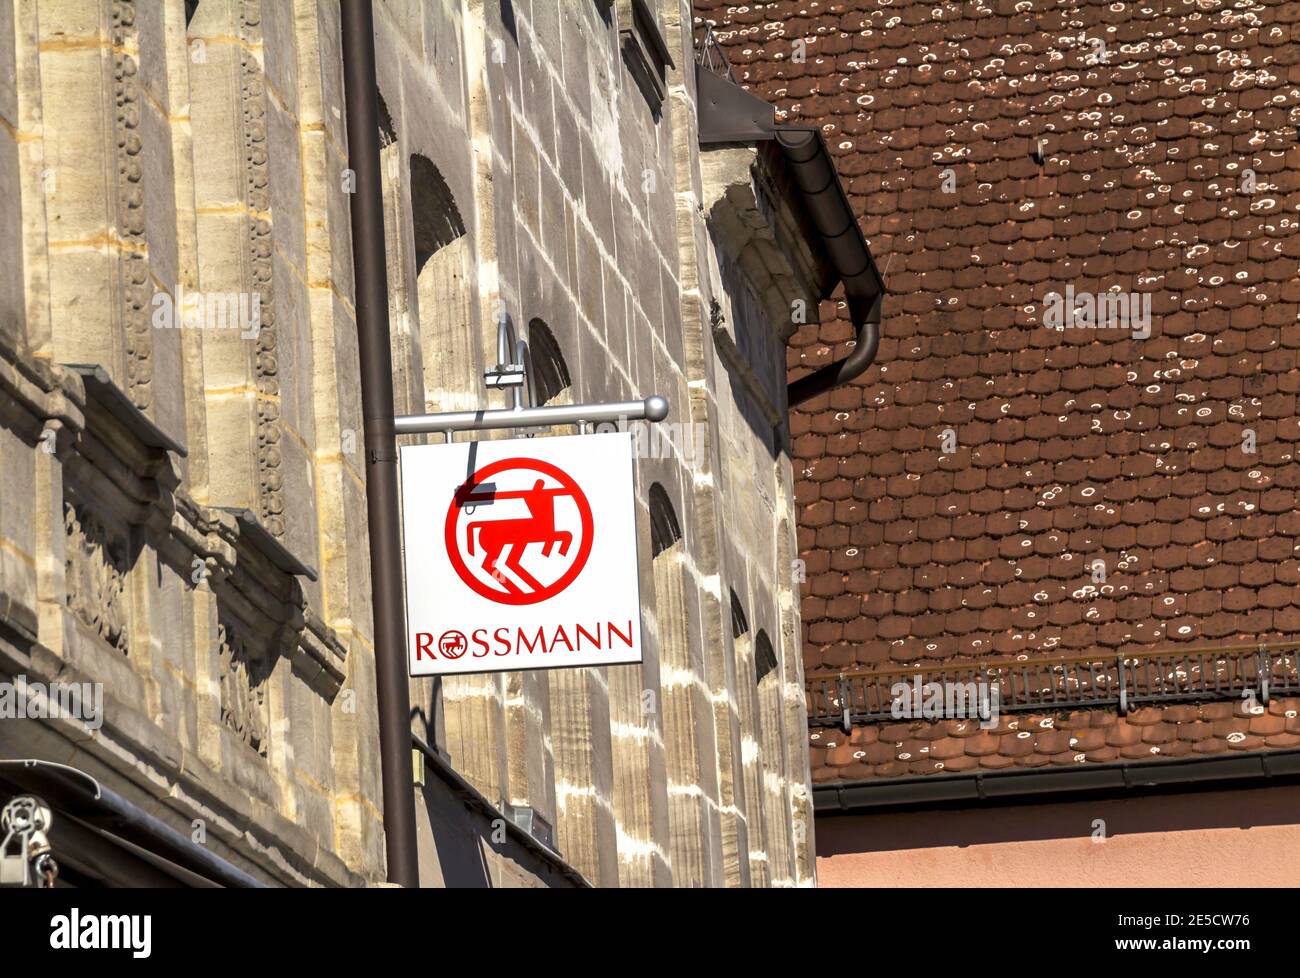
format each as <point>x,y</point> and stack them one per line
<point>656,408</point>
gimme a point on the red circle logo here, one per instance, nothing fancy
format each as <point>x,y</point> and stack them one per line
<point>452,644</point>
<point>522,541</point>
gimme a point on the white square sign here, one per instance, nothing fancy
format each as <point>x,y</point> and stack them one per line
<point>520,554</point>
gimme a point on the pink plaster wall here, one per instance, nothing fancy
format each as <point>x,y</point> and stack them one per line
<point>1225,838</point>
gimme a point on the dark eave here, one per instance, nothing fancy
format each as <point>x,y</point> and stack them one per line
<point>728,113</point>
<point>1055,784</point>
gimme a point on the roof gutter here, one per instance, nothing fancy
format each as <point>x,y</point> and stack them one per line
<point>1037,785</point>
<point>729,114</point>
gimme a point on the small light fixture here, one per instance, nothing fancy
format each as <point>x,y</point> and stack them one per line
<point>526,817</point>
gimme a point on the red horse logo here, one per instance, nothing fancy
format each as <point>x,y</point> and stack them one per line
<point>452,644</point>
<point>495,536</point>
<point>504,542</point>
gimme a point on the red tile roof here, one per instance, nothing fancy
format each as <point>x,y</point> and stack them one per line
<point>907,748</point>
<point>1071,446</point>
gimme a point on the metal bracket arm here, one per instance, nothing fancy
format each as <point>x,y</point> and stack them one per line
<point>653,408</point>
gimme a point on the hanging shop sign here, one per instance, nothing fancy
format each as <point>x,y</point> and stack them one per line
<point>520,554</point>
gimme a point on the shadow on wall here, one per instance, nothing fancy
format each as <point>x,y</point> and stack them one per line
<point>1172,811</point>
<point>458,847</point>
<point>458,841</point>
<point>752,349</point>
<point>550,373</point>
<point>508,19</point>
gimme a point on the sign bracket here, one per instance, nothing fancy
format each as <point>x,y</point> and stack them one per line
<point>514,374</point>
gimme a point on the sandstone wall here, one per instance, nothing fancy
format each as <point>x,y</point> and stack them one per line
<point>222,596</point>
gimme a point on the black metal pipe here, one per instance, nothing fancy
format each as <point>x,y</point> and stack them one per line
<point>376,367</point>
<point>866,322</point>
<point>814,173</point>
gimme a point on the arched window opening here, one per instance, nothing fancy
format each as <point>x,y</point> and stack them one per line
<point>739,623</point>
<point>444,291</point>
<point>437,219</point>
<point>408,394</point>
<point>764,658</point>
<point>664,528</point>
<point>550,374</point>
<point>776,800</point>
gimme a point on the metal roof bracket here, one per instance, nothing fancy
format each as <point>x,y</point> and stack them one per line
<point>728,113</point>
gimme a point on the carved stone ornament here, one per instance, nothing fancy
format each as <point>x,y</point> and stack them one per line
<point>95,576</point>
<point>133,265</point>
<point>243,689</point>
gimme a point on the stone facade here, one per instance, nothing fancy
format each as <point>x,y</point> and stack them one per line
<point>182,505</point>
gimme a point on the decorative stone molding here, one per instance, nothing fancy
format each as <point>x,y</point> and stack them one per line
<point>96,568</point>
<point>254,573</point>
<point>319,657</point>
<point>243,676</point>
<point>258,183</point>
<point>134,261</point>
<point>236,550</point>
<point>113,454</point>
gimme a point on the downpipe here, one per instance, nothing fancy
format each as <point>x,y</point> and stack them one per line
<point>376,369</point>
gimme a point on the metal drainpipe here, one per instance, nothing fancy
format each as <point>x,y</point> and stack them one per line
<point>814,173</point>
<point>376,368</point>
<point>866,322</point>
